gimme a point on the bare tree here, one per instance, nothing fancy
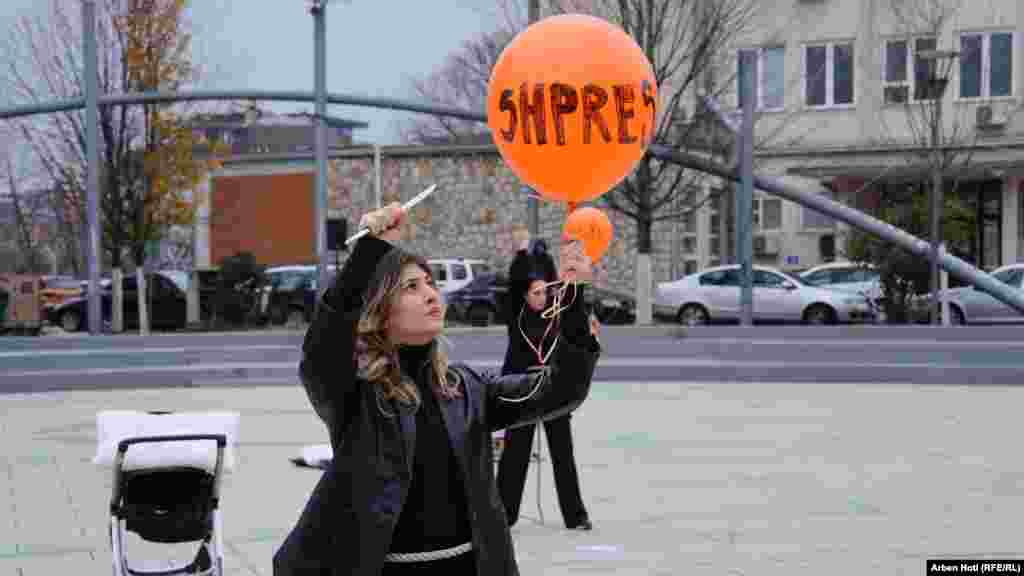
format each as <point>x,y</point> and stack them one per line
<point>43,62</point>
<point>140,44</point>
<point>461,81</point>
<point>27,210</point>
<point>684,40</point>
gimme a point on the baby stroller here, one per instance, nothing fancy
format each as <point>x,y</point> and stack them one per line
<point>167,470</point>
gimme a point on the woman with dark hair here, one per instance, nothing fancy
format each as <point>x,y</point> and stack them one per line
<point>411,485</point>
<point>531,339</point>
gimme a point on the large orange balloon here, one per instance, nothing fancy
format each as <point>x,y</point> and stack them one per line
<point>572,104</point>
<point>591,226</point>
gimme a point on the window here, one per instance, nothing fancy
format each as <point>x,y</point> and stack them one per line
<point>439,272</point>
<point>727,277</point>
<point>690,267</point>
<point>828,75</point>
<point>986,65</point>
<point>899,80</point>
<point>819,278</point>
<point>769,77</point>
<point>459,272</point>
<point>765,279</point>
<point>767,213</point>
<point>1011,277</point>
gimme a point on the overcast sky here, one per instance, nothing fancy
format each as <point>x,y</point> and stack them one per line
<point>373,46</point>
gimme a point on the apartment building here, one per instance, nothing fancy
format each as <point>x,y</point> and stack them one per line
<point>843,96</point>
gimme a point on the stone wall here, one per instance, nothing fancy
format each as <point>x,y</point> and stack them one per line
<point>476,207</point>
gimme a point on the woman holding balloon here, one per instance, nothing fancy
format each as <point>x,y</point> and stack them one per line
<point>532,340</point>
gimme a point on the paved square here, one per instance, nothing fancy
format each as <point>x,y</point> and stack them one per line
<point>679,478</point>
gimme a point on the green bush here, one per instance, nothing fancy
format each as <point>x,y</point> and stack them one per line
<point>904,275</point>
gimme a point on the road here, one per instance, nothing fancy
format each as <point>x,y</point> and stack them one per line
<point>982,356</point>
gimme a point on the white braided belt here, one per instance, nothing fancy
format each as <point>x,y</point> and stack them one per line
<point>442,554</point>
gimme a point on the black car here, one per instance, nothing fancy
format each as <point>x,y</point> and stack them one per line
<point>479,302</point>
<point>290,292</point>
<point>167,310</point>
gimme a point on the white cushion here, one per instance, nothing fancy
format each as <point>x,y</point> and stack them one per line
<point>317,454</point>
<point>112,426</point>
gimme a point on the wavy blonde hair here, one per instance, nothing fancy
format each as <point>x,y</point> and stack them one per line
<point>377,357</point>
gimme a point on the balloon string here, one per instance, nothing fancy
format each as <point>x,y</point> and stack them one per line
<point>542,358</point>
<point>556,307</point>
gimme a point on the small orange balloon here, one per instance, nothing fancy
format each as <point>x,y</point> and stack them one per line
<point>572,104</point>
<point>593,227</point>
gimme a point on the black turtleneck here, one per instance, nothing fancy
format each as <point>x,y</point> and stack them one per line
<point>434,515</point>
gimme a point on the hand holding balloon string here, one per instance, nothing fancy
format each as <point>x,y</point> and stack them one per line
<point>575,268</point>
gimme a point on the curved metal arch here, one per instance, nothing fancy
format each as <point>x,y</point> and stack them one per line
<point>280,96</point>
<point>769,184</point>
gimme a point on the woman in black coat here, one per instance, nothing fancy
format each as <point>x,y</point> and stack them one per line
<point>411,486</point>
<point>530,339</point>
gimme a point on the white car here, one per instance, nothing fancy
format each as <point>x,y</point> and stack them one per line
<point>968,305</point>
<point>713,295</point>
<point>450,274</point>
<point>860,278</point>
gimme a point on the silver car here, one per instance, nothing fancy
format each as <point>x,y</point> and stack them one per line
<point>846,276</point>
<point>713,295</point>
<point>968,305</point>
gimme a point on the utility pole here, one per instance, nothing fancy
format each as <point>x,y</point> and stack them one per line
<point>92,158</point>
<point>532,203</point>
<point>319,11</point>
<point>745,192</point>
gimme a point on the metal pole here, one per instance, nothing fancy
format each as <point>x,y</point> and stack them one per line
<point>376,176</point>
<point>92,155</point>
<point>943,286</point>
<point>532,203</point>
<point>745,195</point>
<point>935,213</point>
<point>320,195</point>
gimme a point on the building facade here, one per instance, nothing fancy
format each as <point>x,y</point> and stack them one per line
<point>844,95</point>
<point>263,204</point>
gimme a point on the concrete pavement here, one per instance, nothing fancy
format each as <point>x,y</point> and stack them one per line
<point>680,478</point>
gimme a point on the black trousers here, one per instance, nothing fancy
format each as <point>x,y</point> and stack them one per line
<point>515,459</point>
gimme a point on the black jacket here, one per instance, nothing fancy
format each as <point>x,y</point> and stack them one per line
<point>526,266</point>
<point>348,521</point>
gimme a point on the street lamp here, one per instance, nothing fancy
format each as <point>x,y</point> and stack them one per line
<point>318,8</point>
<point>940,70</point>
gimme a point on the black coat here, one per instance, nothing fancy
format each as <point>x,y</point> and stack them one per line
<point>526,266</point>
<point>347,524</point>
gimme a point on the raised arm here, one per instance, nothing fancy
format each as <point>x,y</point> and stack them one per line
<point>328,366</point>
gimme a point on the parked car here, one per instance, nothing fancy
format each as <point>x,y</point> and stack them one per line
<point>611,307</point>
<point>855,277</point>
<point>57,289</point>
<point>167,296</point>
<point>968,305</point>
<point>859,278</point>
<point>713,295</point>
<point>480,302</point>
<point>452,274</point>
<point>290,292</point>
